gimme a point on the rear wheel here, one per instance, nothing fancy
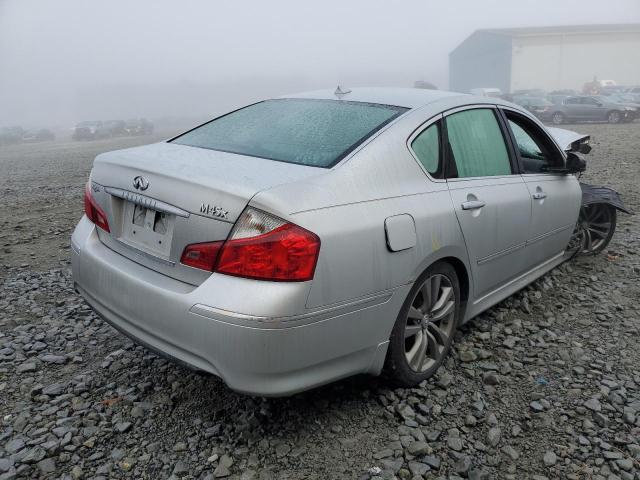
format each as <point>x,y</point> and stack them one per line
<point>614,117</point>
<point>557,118</point>
<point>424,330</point>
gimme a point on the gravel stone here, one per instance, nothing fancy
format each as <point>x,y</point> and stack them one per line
<point>549,458</point>
<point>551,370</point>
<point>46,466</point>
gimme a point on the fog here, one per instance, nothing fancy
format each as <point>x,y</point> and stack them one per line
<point>69,60</point>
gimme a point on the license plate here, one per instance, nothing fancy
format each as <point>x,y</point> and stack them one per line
<point>148,229</point>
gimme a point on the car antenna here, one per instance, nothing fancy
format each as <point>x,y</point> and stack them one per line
<point>340,92</point>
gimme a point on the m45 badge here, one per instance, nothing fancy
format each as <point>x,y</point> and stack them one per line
<point>213,211</point>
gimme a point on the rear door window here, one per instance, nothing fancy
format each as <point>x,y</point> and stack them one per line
<point>310,132</point>
<point>476,145</point>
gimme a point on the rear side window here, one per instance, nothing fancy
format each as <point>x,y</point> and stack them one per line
<point>476,145</point>
<point>426,146</point>
<point>310,132</point>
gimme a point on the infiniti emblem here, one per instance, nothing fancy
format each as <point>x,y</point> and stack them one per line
<point>140,183</point>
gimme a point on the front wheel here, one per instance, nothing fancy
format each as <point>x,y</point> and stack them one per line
<point>598,222</point>
<point>557,118</point>
<point>423,333</point>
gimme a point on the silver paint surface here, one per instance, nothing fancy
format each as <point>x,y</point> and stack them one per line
<point>277,338</point>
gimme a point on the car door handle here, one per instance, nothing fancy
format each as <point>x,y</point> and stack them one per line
<point>539,195</point>
<point>473,204</point>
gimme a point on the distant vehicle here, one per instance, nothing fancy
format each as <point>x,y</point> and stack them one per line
<point>634,92</point>
<point>539,106</point>
<point>529,92</point>
<point>11,135</point>
<point>564,92</point>
<point>486,92</point>
<point>425,85</point>
<point>139,126</point>
<point>608,83</point>
<point>620,99</point>
<point>610,90</point>
<point>41,135</point>
<point>115,128</point>
<point>89,130</point>
<point>590,108</point>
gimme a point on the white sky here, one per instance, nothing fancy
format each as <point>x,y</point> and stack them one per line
<point>66,60</point>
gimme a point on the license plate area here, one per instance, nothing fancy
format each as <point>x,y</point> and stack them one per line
<point>148,229</point>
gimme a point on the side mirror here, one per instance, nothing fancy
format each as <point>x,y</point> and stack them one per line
<point>575,164</point>
<point>581,146</point>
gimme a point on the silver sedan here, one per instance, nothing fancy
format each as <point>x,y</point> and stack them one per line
<point>308,238</point>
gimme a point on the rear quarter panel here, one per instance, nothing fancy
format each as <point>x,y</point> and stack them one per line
<point>347,208</point>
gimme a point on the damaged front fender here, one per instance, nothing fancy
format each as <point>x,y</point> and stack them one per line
<point>599,194</point>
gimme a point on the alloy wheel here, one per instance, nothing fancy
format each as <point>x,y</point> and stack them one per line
<point>596,221</point>
<point>557,118</point>
<point>614,117</point>
<point>430,323</point>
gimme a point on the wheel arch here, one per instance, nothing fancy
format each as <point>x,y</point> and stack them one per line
<point>612,110</point>
<point>457,258</point>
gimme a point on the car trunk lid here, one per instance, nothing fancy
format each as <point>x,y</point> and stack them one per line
<point>162,197</point>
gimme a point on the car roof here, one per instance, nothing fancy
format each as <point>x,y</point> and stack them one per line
<point>400,97</point>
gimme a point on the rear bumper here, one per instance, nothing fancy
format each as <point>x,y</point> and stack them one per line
<point>275,347</point>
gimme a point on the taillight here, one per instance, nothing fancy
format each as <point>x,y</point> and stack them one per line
<point>201,255</point>
<point>93,210</point>
<point>263,247</point>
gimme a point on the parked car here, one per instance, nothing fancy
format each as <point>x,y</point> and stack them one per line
<point>424,84</point>
<point>612,89</point>
<point>38,135</point>
<point>486,92</point>
<point>89,130</point>
<point>529,92</point>
<point>115,128</point>
<point>580,108</point>
<point>539,106</point>
<point>564,92</point>
<point>139,126</point>
<point>304,239</point>
<point>634,92</point>
<point>626,100</point>
<point>11,135</point>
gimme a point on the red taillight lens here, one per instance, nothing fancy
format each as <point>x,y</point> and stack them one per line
<point>262,247</point>
<point>93,210</point>
<point>201,255</point>
<point>288,253</point>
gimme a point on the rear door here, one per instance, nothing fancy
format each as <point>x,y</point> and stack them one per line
<point>555,198</point>
<point>490,199</point>
<point>573,108</point>
<point>592,109</point>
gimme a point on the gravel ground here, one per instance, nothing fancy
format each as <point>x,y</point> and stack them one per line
<point>544,385</point>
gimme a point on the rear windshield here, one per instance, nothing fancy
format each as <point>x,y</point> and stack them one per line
<point>310,132</point>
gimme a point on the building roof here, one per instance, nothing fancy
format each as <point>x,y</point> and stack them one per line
<point>401,97</point>
<point>564,29</point>
<point>597,29</point>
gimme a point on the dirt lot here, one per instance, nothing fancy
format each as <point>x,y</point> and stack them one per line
<point>544,385</point>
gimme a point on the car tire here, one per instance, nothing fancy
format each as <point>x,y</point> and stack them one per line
<point>557,118</point>
<point>420,341</point>
<point>598,222</point>
<point>614,116</point>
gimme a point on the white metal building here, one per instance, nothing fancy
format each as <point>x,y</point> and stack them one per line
<point>550,58</point>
